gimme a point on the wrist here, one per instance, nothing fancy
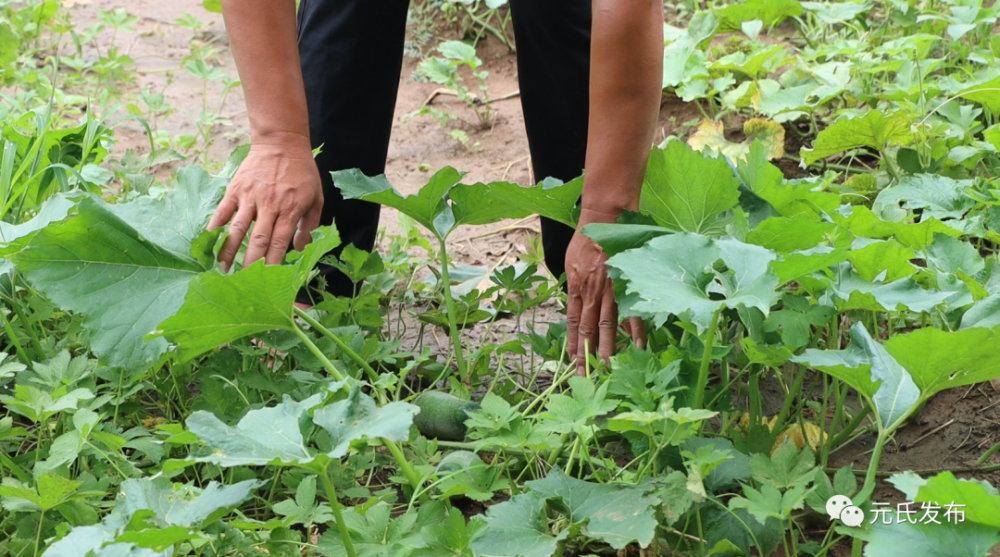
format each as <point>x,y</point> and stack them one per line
<point>280,139</point>
<point>592,215</point>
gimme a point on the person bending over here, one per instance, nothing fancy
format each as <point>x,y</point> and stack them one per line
<point>590,77</point>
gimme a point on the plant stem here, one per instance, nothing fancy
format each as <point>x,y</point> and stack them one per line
<point>706,358</point>
<point>330,368</point>
<point>372,375</point>
<point>38,534</point>
<point>880,441</point>
<point>331,495</point>
<point>851,426</point>
<point>796,390</point>
<point>988,454</point>
<point>404,466</point>
<point>449,302</point>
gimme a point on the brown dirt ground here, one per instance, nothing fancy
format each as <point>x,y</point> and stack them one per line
<point>972,414</point>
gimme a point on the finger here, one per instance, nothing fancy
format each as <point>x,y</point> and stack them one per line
<point>607,327</point>
<point>573,308</point>
<point>637,328</point>
<point>281,238</point>
<point>308,223</point>
<point>223,213</point>
<point>237,230</point>
<point>590,318</point>
<point>260,239</point>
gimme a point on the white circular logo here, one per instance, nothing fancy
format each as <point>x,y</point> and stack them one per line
<point>841,507</point>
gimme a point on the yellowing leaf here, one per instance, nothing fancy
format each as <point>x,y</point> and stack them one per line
<point>801,435</point>
<point>768,132</point>
<point>813,435</point>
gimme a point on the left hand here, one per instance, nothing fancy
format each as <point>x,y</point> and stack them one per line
<point>592,313</point>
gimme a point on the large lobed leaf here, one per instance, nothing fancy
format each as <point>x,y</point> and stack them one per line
<point>279,435</point>
<point>686,190</point>
<point>263,436</point>
<point>357,417</point>
<point>910,367</point>
<point>874,130</point>
<point>180,504</point>
<point>675,275</point>
<point>616,515</point>
<point>221,308</point>
<point>860,366</point>
<point>125,267</point>
<point>444,204</point>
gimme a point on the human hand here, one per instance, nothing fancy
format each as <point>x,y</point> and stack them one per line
<point>279,187</point>
<point>592,314</point>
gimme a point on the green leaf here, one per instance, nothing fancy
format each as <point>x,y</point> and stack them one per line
<point>219,308</point>
<point>769,502</point>
<point>864,363</point>
<point>55,209</point>
<point>966,539</point>
<point>797,320</point>
<point>38,405</point>
<point>951,255</point>
<point>9,44</point>
<point>786,235</point>
<point>986,94</point>
<point>939,360</point>
<point>489,203</point>
<point>675,275</point>
<point>424,207</point>
<point>517,528</point>
<point>874,130</point>
<point>617,515</point>
<point>565,414</point>
<point>82,541</point>
<point>935,196</point>
<point>674,495</point>
<point>737,527</point>
<point>616,238</point>
<point>977,501</point>
<point>181,504</point>
<point>844,483</point>
<point>51,491</point>
<point>303,509</point>
<point>263,436</point>
<point>799,264</point>
<point>838,12</point>
<point>125,267</point>
<point>863,223</point>
<point>886,261</point>
<point>786,468</point>
<point>771,12</point>
<point>857,293</point>
<point>357,417</point>
<point>687,190</point>
<point>984,313</point>
<point>451,538</point>
<point>374,533</point>
<point>464,473</point>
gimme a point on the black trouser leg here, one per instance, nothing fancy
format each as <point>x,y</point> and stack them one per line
<point>352,56</point>
<point>553,66</point>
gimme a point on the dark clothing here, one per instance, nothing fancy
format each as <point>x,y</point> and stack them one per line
<point>352,55</point>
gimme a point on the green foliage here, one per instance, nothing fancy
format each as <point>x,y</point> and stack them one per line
<point>152,405</point>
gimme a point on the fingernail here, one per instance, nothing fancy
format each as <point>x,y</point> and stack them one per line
<point>225,267</point>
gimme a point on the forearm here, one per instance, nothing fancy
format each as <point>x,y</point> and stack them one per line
<point>625,91</point>
<point>263,38</point>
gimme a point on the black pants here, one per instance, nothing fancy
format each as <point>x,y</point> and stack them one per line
<point>352,56</point>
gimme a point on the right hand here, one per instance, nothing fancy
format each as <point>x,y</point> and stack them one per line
<point>278,187</point>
